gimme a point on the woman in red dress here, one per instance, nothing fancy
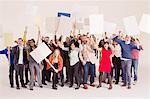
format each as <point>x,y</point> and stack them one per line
<point>105,64</point>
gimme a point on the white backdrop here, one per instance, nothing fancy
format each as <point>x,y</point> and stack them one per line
<point>14,16</point>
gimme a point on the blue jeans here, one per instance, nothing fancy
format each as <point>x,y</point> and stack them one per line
<point>126,70</point>
<point>135,66</point>
<point>89,66</point>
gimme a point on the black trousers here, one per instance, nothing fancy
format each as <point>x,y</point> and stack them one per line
<point>74,73</point>
<point>26,73</point>
<point>46,74</point>
<point>117,66</point>
<point>11,74</point>
<point>19,72</point>
<point>61,74</point>
<point>54,78</point>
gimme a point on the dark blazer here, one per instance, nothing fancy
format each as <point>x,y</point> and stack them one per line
<point>15,52</point>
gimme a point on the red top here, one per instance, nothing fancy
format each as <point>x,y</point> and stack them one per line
<point>105,61</point>
<point>135,54</point>
<point>60,62</point>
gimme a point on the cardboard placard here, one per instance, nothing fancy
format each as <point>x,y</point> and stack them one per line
<point>96,24</point>
<point>41,52</point>
<point>145,23</point>
<point>110,27</point>
<point>8,39</point>
<point>131,26</point>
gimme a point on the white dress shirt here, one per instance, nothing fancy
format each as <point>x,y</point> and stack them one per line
<point>117,51</point>
<point>20,61</point>
<point>74,56</point>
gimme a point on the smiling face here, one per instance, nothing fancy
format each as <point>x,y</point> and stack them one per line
<point>127,39</point>
<point>56,53</point>
<point>20,41</point>
<point>72,46</point>
<point>106,45</point>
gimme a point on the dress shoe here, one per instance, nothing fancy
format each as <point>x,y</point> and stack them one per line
<point>129,87</point>
<point>44,83</point>
<point>17,87</point>
<point>41,86</point>
<point>99,86</point>
<point>12,86</point>
<point>78,86</point>
<point>31,88</point>
<point>70,85</point>
<point>24,86</point>
<point>55,88</point>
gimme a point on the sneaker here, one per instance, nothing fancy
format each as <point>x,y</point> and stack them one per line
<point>129,87</point>
<point>78,86</point>
<point>123,85</point>
<point>85,86</point>
<point>110,87</point>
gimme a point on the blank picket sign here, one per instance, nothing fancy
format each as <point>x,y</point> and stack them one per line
<point>65,25</point>
<point>96,24</point>
<point>110,27</point>
<point>131,26</point>
<point>41,52</point>
<point>145,23</point>
<point>8,39</point>
<point>51,24</point>
<point>79,26</point>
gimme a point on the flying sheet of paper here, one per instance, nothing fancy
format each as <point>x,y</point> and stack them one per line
<point>96,24</point>
<point>40,53</point>
<point>8,39</point>
<point>109,27</point>
<point>65,25</point>
<point>131,26</point>
<point>145,23</point>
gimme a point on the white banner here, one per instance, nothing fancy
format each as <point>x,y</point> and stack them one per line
<point>131,26</point>
<point>96,24</point>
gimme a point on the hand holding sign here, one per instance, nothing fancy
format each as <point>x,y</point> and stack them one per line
<point>40,53</point>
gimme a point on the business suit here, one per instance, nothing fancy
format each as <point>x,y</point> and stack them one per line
<point>19,68</point>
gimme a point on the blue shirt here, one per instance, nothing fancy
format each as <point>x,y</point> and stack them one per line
<point>11,56</point>
<point>125,48</point>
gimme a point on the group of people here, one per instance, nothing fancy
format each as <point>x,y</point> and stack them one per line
<point>118,56</point>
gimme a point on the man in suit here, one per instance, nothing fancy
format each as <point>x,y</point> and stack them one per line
<point>20,60</point>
